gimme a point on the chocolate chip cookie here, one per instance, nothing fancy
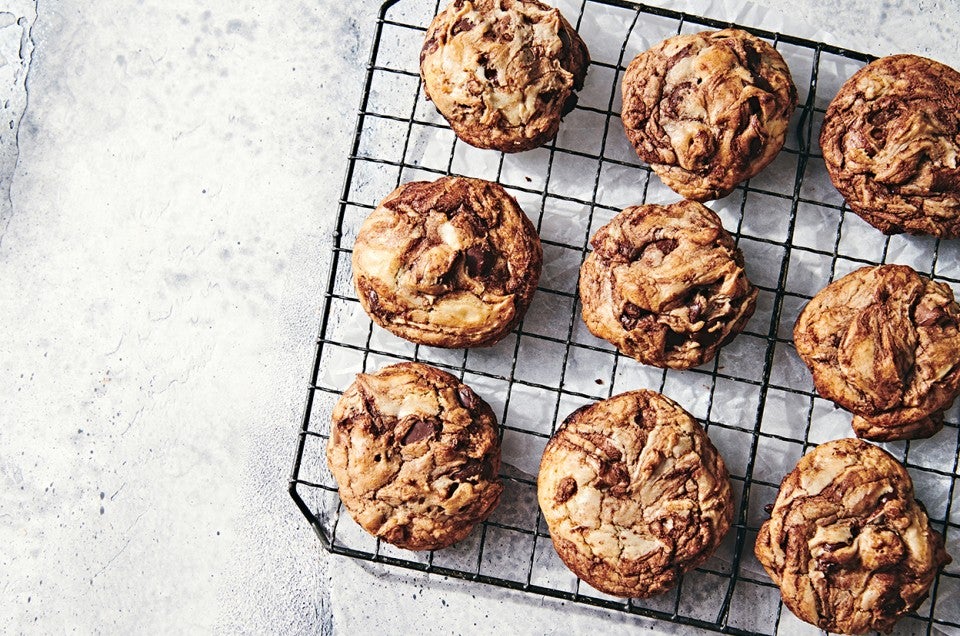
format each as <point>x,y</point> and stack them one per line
<point>448,263</point>
<point>883,343</point>
<point>849,546</point>
<point>416,456</point>
<point>891,142</point>
<point>708,110</point>
<point>503,72</point>
<point>634,494</point>
<point>666,285</point>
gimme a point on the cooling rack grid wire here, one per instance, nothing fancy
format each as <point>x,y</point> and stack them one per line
<point>756,399</point>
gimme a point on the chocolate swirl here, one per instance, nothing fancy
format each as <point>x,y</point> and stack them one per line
<point>891,143</point>
<point>883,342</point>
<point>416,456</point>
<point>634,494</point>
<point>503,72</point>
<point>666,285</point>
<point>708,110</point>
<point>849,546</point>
<point>448,263</point>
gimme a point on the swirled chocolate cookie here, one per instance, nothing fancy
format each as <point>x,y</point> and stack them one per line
<point>503,72</point>
<point>665,285</point>
<point>416,456</point>
<point>708,110</point>
<point>634,494</point>
<point>448,263</point>
<point>883,343</point>
<point>891,142</point>
<point>849,546</point>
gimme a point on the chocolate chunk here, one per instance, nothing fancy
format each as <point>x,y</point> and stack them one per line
<point>832,547</point>
<point>451,489</point>
<point>479,260</point>
<point>664,246</point>
<point>604,445</point>
<point>548,96</point>
<point>614,477</point>
<point>929,316</point>
<point>461,25</point>
<point>631,315</point>
<point>752,56</point>
<point>673,340</point>
<point>468,399</point>
<point>707,337</point>
<point>430,46</point>
<point>695,310</point>
<point>826,566</point>
<point>422,429</point>
<point>472,469</point>
<point>565,489</point>
<point>628,251</point>
<point>892,603</point>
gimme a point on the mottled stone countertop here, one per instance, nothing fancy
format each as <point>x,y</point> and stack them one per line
<point>169,174</point>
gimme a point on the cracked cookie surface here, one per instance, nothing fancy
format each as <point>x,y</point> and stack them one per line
<point>883,342</point>
<point>847,543</point>
<point>666,285</point>
<point>416,456</point>
<point>891,143</point>
<point>708,110</point>
<point>634,494</point>
<point>503,72</point>
<point>448,263</point>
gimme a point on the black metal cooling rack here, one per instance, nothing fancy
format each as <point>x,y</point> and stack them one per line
<point>756,399</point>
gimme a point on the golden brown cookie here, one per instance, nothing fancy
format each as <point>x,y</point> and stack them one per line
<point>503,72</point>
<point>849,546</point>
<point>883,343</point>
<point>708,110</point>
<point>891,142</point>
<point>416,456</point>
<point>634,494</point>
<point>448,263</point>
<point>665,285</point>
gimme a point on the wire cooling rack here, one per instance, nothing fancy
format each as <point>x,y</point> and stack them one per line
<point>756,399</point>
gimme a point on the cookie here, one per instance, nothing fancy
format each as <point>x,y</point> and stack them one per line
<point>883,343</point>
<point>448,263</point>
<point>848,545</point>
<point>503,72</point>
<point>634,494</point>
<point>708,110</point>
<point>891,141</point>
<point>666,285</point>
<point>416,456</point>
